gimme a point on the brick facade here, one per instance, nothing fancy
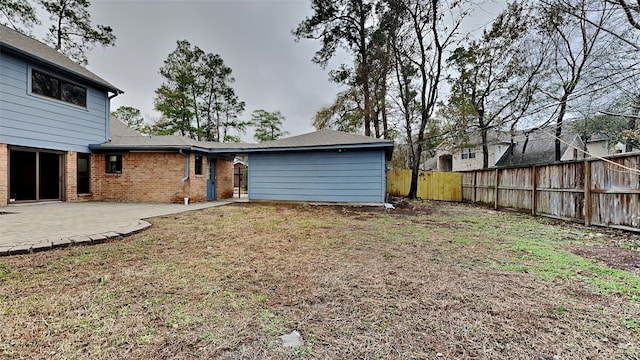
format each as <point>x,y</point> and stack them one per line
<point>156,177</point>
<point>4,174</point>
<point>145,177</point>
<point>224,180</point>
<point>71,176</point>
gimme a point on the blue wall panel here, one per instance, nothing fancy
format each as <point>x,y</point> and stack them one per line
<point>331,176</point>
<point>36,121</point>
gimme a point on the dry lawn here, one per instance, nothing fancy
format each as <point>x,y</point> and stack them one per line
<point>424,281</point>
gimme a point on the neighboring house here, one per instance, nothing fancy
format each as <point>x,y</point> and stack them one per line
<point>538,147</point>
<point>469,155</point>
<point>528,147</point>
<point>51,109</point>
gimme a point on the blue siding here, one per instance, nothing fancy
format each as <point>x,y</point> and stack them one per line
<point>34,121</point>
<point>331,176</point>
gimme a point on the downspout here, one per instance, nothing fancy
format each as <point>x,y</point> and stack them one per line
<point>108,112</point>
<point>186,167</point>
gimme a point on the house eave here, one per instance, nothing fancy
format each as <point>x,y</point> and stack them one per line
<point>101,148</point>
<point>22,53</point>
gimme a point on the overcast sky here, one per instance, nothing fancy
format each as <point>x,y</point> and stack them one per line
<point>272,71</point>
<point>253,37</point>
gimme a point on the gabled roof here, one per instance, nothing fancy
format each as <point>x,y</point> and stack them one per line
<point>24,45</point>
<point>538,149</point>
<point>123,138</point>
<point>326,137</point>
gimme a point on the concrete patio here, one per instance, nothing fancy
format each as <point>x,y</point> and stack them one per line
<point>27,228</point>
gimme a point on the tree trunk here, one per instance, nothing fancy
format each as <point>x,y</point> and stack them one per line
<point>376,123</point>
<point>558,134</point>
<point>365,72</point>
<point>485,149</point>
<point>385,123</point>
<point>415,171</point>
<point>631,126</point>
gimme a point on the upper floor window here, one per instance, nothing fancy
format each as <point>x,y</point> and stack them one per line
<point>468,153</point>
<point>53,87</point>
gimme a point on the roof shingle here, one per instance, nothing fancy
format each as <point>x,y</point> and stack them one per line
<point>123,137</point>
<point>27,46</point>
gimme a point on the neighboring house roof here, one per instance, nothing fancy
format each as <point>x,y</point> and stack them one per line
<point>16,42</point>
<point>124,138</point>
<point>538,149</point>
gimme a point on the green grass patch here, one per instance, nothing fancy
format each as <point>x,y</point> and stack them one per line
<point>546,257</point>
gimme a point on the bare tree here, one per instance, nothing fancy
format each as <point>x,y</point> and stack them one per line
<point>578,51</point>
<point>496,77</point>
<point>631,11</point>
<point>428,29</point>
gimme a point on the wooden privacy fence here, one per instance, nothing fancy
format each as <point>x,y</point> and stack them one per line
<point>594,191</point>
<point>444,186</point>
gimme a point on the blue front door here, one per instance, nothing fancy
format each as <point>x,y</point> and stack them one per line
<point>211,180</point>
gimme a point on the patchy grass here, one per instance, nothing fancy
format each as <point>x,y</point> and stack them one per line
<point>427,280</point>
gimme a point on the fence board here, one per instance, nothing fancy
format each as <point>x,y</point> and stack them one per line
<point>608,194</point>
<point>445,186</point>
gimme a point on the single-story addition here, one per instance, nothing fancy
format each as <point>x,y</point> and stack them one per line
<point>138,168</point>
<point>323,166</point>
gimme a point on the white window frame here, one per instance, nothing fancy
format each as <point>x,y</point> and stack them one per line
<point>468,153</point>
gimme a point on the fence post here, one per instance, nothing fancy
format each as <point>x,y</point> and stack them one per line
<point>495,190</point>
<point>534,185</point>
<point>587,193</point>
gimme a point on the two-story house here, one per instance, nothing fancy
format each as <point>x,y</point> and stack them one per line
<point>51,109</point>
<point>468,155</point>
<point>58,143</point>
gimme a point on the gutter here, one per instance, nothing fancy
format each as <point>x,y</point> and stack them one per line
<point>118,92</point>
<point>52,63</point>
<point>186,166</point>
<point>387,146</point>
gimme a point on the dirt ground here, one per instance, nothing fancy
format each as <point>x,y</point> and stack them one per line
<point>426,280</point>
<point>618,249</point>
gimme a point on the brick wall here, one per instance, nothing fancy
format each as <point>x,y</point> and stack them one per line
<point>224,179</point>
<point>4,174</point>
<point>156,177</point>
<point>71,176</point>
